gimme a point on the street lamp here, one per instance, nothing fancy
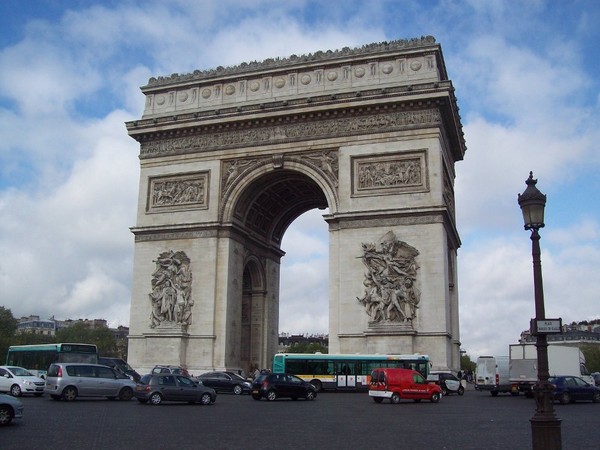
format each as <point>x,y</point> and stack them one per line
<point>545,426</point>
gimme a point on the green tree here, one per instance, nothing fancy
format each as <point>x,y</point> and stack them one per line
<point>466,363</point>
<point>592,357</point>
<point>307,347</point>
<point>8,328</point>
<point>29,337</point>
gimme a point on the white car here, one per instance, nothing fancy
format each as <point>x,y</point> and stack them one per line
<point>447,381</point>
<point>18,381</point>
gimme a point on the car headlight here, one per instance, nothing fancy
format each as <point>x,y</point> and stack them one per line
<point>27,383</point>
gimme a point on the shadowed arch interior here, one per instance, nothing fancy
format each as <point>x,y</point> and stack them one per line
<point>275,200</point>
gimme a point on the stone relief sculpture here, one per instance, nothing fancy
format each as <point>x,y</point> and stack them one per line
<point>405,172</point>
<point>171,295</point>
<point>327,162</point>
<point>178,192</point>
<point>390,292</point>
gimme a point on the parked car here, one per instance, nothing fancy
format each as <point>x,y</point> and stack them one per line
<point>72,380</point>
<point>449,383</point>
<point>155,389</point>
<point>226,382</point>
<point>596,377</point>
<point>275,385</point>
<point>397,384</point>
<point>568,389</point>
<point>10,408</point>
<point>19,381</point>
<point>120,365</point>
<point>176,370</point>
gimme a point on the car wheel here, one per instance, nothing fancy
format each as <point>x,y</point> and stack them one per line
<point>6,415</point>
<point>271,395</point>
<point>461,390</point>
<point>256,396</point>
<point>155,399</point>
<point>565,398</point>
<point>596,397</point>
<point>377,399</point>
<point>69,394</point>
<point>395,398</point>
<point>317,384</point>
<point>205,399</point>
<point>435,397</point>
<point>126,394</point>
<point>237,390</point>
<point>310,395</point>
<point>15,390</point>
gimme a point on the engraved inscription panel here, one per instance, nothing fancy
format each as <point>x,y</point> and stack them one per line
<point>178,192</point>
<point>377,175</point>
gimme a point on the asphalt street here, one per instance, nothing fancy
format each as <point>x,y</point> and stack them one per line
<point>333,421</point>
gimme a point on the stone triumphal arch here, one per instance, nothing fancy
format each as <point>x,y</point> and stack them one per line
<point>230,157</point>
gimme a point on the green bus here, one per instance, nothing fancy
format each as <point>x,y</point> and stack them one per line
<point>344,372</point>
<point>37,358</point>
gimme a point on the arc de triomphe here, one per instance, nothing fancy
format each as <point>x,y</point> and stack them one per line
<point>230,157</point>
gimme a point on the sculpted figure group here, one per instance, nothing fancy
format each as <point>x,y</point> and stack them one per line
<point>390,292</point>
<point>171,295</point>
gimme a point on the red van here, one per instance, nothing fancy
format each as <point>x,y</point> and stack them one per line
<point>397,384</point>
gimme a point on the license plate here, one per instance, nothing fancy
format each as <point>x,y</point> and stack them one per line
<point>255,391</point>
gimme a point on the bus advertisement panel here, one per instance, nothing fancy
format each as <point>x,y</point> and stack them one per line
<point>344,372</point>
<point>37,358</point>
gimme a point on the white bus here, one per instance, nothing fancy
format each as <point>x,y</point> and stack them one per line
<point>344,372</point>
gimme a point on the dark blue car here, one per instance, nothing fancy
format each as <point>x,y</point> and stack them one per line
<point>571,389</point>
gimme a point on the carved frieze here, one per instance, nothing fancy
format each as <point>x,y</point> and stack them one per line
<point>322,128</point>
<point>171,296</point>
<point>391,295</point>
<point>324,161</point>
<point>400,172</point>
<point>178,192</point>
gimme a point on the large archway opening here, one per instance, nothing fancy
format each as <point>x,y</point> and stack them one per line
<point>266,209</point>
<point>304,296</point>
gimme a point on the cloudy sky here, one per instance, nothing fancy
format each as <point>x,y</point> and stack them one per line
<point>527,82</point>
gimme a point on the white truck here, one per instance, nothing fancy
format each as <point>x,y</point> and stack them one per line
<point>562,360</point>
<point>492,374</point>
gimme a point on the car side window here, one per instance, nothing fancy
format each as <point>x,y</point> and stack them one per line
<point>81,371</point>
<point>105,372</point>
<point>418,379</point>
<point>167,381</point>
<point>185,381</point>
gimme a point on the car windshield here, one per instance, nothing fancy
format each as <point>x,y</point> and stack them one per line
<point>20,372</point>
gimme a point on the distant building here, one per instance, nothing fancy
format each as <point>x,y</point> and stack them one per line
<point>573,335</point>
<point>49,327</point>
<point>35,325</point>
<point>286,340</point>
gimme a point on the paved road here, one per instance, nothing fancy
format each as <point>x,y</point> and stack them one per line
<point>333,421</point>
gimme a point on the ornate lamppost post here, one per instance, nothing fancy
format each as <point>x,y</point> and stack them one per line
<point>545,426</point>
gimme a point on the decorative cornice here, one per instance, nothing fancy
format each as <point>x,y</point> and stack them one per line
<point>277,63</point>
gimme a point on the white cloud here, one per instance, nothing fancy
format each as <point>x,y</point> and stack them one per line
<point>69,172</point>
